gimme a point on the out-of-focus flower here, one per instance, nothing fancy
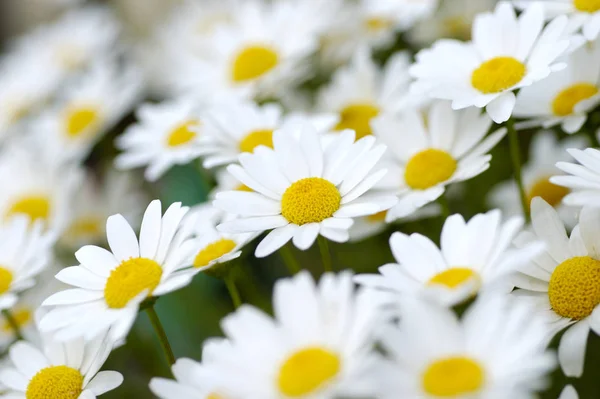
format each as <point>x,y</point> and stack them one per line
<point>427,154</point>
<point>582,180</point>
<point>191,382</point>
<point>486,71</point>
<point>568,392</point>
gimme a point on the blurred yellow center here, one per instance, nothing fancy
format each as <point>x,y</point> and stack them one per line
<point>256,138</point>
<point>80,120</point>
<point>34,206</point>
<point>454,277</point>
<point>85,227</point>
<point>574,288</point>
<point>55,382</point>
<point>567,99</point>
<point>310,200</point>
<point>429,168</point>
<point>21,318</point>
<point>550,192</point>
<point>182,133</point>
<point>358,118</point>
<point>453,377</point>
<point>458,27</point>
<point>587,5</point>
<point>377,217</point>
<point>6,278</point>
<point>378,24</point>
<point>307,370</point>
<point>253,62</point>
<point>213,251</point>
<point>243,187</point>
<point>498,74</point>
<point>129,279</point>
<point>214,396</point>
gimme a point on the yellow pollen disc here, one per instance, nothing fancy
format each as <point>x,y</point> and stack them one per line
<point>182,133</point>
<point>587,5</point>
<point>567,99</point>
<point>80,120</point>
<point>55,382</point>
<point>357,117</point>
<point>21,317</point>
<point>214,251</point>
<point>453,376</point>
<point>550,192</point>
<point>256,138</point>
<point>458,27</point>
<point>129,279</point>
<point>574,288</point>
<point>85,227</point>
<point>35,206</point>
<point>310,200</point>
<point>378,24</point>
<point>307,370</point>
<point>498,74</point>
<point>253,62</point>
<point>6,278</point>
<point>454,277</point>
<point>214,396</point>
<point>243,187</point>
<point>429,168</point>
<point>377,217</point>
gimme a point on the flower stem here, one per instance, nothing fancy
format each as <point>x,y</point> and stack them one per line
<point>233,291</point>
<point>13,323</point>
<point>162,336</point>
<point>325,254</point>
<point>513,139</point>
<point>290,261</point>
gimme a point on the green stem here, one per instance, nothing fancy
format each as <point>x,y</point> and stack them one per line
<point>513,139</point>
<point>290,261</point>
<point>162,336</point>
<point>233,291</point>
<point>325,254</point>
<point>445,208</point>
<point>13,324</point>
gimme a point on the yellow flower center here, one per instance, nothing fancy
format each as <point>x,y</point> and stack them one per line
<point>574,288</point>
<point>34,206</point>
<point>587,5</point>
<point>307,370</point>
<point>310,200</point>
<point>378,24</point>
<point>243,187</point>
<point>377,217</point>
<point>454,277</point>
<point>498,74</point>
<point>129,279</point>
<point>214,251</point>
<point>453,376</point>
<point>214,396</point>
<point>6,278</point>
<point>567,99</point>
<point>21,317</point>
<point>253,62</point>
<point>182,133</point>
<point>550,192</point>
<point>358,118</point>
<point>87,226</point>
<point>55,382</point>
<point>429,168</point>
<point>81,120</point>
<point>256,138</point>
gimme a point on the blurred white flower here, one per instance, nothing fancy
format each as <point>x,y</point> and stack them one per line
<point>582,180</point>
<point>191,381</point>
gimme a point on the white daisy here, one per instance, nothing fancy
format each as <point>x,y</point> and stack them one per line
<point>303,188</point>
<point>191,382</point>
<point>236,127</point>
<point>166,134</point>
<point>427,154</point>
<point>474,256</point>
<point>565,97</point>
<point>505,54</point>
<point>436,355</point>
<point>112,285</point>
<point>361,91</point>
<point>562,282</point>
<point>319,344</point>
<point>582,180</point>
<point>545,151</point>
<point>59,370</point>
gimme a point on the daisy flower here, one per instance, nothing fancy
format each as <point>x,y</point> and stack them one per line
<point>303,188</point>
<point>236,127</point>
<point>450,147</point>
<point>319,344</point>
<point>565,97</point>
<point>545,151</point>
<point>562,282</point>
<point>166,134</point>
<point>436,355</point>
<point>361,91</point>
<point>474,256</point>
<point>59,370</point>
<point>506,53</point>
<point>111,285</point>
<point>191,382</point>
<point>582,181</point>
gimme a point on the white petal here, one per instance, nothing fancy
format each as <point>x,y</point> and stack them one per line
<point>306,235</point>
<point>150,230</point>
<point>105,381</point>
<point>27,359</point>
<point>501,108</point>
<point>275,240</point>
<point>571,349</point>
<point>121,238</point>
